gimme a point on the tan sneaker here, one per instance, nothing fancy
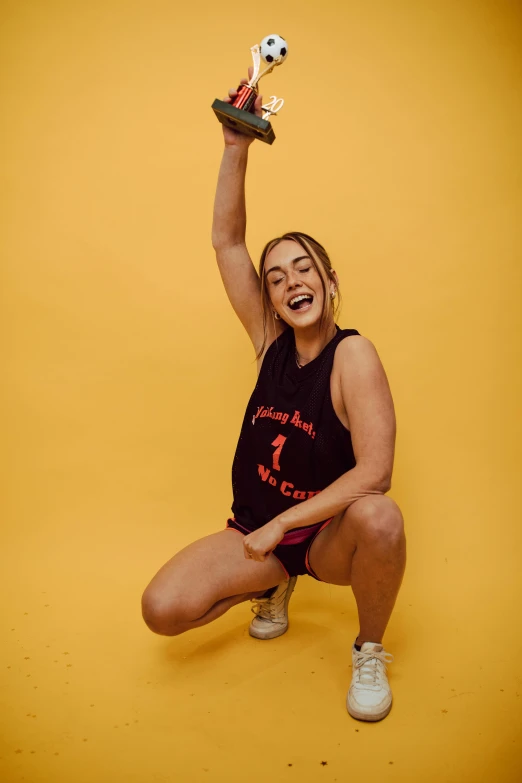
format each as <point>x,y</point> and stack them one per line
<point>271,612</point>
<point>369,697</point>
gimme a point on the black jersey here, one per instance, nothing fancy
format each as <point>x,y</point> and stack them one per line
<point>292,444</point>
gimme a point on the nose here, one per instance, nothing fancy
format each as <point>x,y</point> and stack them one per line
<point>293,279</point>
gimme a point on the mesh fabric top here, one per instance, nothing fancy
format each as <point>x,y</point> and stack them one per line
<point>292,444</point>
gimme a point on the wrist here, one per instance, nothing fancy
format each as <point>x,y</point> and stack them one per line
<point>238,150</point>
<point>279,524</point>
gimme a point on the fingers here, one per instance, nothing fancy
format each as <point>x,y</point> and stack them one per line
<point>252,556</point>
<point>233,93</point>
<point>230,97</point>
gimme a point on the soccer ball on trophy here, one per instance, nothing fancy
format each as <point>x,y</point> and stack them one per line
<point>274,49</point>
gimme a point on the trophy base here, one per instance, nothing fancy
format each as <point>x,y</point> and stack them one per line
<point>243,121</point>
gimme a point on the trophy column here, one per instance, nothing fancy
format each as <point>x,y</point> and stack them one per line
<point>245,99</point>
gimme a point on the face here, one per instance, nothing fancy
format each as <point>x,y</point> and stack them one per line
<point>290,273</point>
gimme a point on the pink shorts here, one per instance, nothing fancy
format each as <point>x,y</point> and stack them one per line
<point>293,551</point>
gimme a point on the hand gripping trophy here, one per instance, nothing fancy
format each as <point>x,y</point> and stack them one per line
<point>239,115</point>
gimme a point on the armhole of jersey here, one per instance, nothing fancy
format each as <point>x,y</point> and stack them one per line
<point>351,333</point>
<point>271,347</point>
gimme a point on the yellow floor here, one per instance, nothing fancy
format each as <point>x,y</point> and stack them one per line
<point>89,693</point>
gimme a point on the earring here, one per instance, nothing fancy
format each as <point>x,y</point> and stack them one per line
<point>276,315</point>
<point>332,294</point>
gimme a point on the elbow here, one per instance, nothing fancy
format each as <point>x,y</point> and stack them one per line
<point>377,482</point>
<point>218,238</point>
<point>382,481</point>
<point>385,485</point>
<point>378,486</point>
<point>223,242</point>
<point>217,242</point>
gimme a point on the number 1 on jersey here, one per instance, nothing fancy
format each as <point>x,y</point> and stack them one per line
<point>279,442</point>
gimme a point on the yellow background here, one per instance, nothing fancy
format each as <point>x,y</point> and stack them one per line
<point>126,375</point>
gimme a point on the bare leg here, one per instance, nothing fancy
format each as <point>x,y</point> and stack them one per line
<point>365,547</point>
<point>219,608</point>
<point>203,580</point>
<point>378,567</point>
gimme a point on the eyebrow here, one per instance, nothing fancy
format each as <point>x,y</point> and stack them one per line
<point>294,261</point>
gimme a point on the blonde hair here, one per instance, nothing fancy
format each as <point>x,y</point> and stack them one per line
<point>323,266</point>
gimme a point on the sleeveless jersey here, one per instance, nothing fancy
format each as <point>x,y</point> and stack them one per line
<point>292,444</point>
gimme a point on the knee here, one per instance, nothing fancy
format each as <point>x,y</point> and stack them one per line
<point>377,518</point>
<point>160,615</point>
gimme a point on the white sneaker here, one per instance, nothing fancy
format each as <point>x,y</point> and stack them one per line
<point>369,696</point>
<point>271,618</point>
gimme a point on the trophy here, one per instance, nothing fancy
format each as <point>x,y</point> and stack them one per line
<point>239,115</point>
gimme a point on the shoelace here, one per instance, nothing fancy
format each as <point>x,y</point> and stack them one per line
<point>266,607</point>
<point>367,667</point>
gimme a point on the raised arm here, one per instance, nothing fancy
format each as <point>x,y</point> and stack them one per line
<point>237,271</point>
<point>229,223</point>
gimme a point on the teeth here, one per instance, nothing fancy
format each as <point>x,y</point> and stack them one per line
<point>298,298</point>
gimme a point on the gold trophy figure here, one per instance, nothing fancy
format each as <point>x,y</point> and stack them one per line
<point>239,114</point>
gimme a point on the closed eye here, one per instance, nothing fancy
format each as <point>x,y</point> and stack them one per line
<point>275,282</point>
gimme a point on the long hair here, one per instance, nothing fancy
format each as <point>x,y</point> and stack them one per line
<point>323,266</point>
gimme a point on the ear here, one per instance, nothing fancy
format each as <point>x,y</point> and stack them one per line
<point>334,275</point>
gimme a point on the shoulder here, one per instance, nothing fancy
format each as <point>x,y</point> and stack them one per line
<point>360,373</point>
<point>357,364</point>
<point>353,350</point>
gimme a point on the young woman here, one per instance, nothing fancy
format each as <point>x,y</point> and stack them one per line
<point>313,462</point>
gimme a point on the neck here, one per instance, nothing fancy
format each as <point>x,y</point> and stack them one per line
<point>310,342</point>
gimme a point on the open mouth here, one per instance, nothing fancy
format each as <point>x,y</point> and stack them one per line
<point>302,302</point>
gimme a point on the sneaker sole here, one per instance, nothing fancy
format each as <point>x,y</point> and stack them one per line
<point>270,635</point>
<point>366,717</point>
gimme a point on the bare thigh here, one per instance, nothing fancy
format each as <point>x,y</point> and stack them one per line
<point>205,572</point>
